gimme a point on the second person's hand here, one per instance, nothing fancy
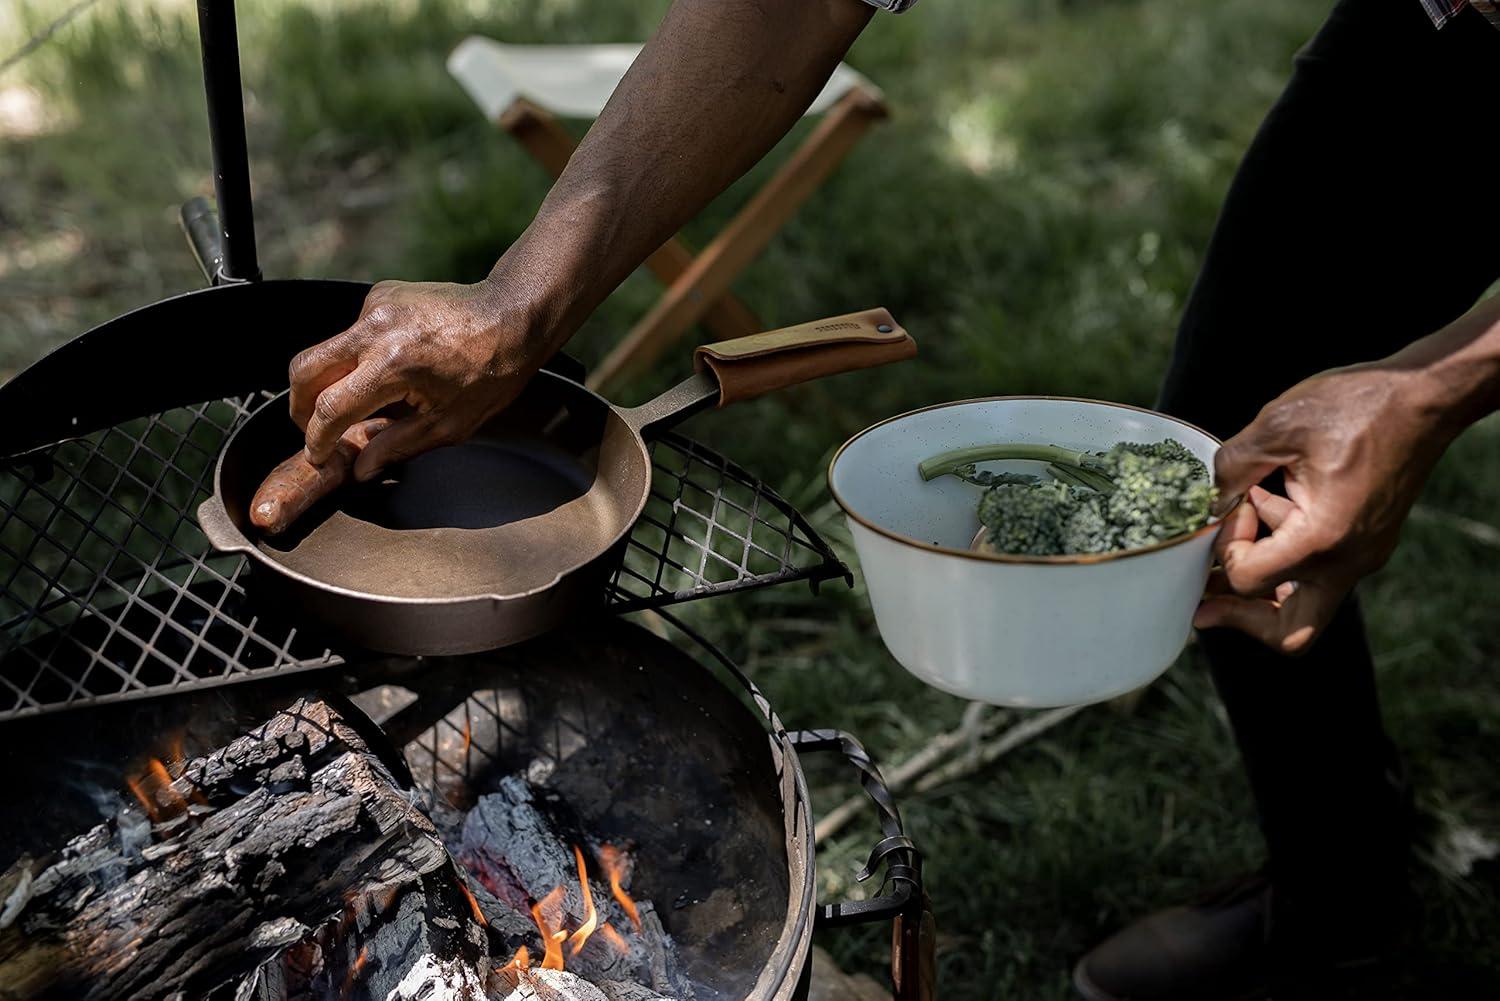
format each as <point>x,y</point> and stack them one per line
<point>1354,446</point>
<point>457,354</point>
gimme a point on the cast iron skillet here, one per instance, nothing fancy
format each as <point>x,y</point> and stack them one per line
<point>480,545</point>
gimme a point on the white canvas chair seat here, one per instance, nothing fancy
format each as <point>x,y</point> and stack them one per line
<point>525,89</point>
<point>575,81</point>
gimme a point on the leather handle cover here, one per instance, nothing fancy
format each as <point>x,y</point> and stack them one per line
<point>747,367</point>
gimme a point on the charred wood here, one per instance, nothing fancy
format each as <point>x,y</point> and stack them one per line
<point>252,850</point>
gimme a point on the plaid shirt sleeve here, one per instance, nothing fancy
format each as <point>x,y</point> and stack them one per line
<point>1441,10</point>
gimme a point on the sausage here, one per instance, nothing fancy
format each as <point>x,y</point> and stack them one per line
<point>297,484</point>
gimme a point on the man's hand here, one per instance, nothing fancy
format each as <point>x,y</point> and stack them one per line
<point>1355,446</point>
<point>457,354</point>
<point>715,88</point>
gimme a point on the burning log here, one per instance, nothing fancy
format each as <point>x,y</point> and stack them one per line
<point>249,859</point>
<point>514,850</point>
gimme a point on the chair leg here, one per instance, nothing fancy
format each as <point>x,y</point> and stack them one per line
<point>543,136</point>
<point>746,235</point>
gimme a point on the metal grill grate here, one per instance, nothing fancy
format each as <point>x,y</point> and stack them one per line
<point>109,591</point>
<point>710,527</point>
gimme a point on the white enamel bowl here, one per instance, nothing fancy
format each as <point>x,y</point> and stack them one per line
<point>1009,630</point>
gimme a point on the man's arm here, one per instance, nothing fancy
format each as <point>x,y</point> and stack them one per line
<point>720,83</point>
<point>1355,446</point>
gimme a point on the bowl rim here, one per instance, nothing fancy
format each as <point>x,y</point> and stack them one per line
<point>1074,559</point>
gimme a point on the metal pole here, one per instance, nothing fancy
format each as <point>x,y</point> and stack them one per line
<point>226,129</point>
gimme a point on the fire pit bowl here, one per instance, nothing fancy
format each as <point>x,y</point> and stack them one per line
<point>1025,631</point>
<point>473,779</point>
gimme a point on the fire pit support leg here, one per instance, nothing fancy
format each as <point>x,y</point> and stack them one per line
<point>914,932</point>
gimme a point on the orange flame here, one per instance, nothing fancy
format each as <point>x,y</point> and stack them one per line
<point>591,916</point>
<point>551,916</point>
<point>147,803</point>
<point>614,865</point>
<point>175,749</point>
<point>551,941</point>
<point>162,776</point>
<point>355,970</point>
<point>468,732</point>
<point>152,786</point>
<point>478,914</point>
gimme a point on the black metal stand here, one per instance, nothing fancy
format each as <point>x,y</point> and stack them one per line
<point>226,129</point>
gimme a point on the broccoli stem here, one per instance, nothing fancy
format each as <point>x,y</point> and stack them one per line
<point>948,462</point>
<point>1080,476</point>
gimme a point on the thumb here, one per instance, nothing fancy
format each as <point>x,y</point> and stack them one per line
<point>1240,463</point>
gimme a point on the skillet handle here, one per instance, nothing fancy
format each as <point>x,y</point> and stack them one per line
<point>747,367</point>
<point>221,532</point>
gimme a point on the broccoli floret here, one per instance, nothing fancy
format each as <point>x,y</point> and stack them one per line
<point>1170,450</point>
<point>1026,519</point>
<point>1086,530</point>
<point>1159,493</point>
<point>1131,496</point>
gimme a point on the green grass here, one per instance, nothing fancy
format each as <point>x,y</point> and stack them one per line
<point>1034,212</point>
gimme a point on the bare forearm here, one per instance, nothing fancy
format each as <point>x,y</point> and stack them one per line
<point>720,83</point>
<point>1458,368</point>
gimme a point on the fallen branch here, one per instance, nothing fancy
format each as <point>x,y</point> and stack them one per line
<point>1476,531</point>
<point>1013,738</point>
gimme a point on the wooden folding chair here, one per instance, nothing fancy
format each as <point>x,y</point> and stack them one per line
<point>525,88</point>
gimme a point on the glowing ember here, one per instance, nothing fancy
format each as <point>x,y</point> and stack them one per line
<point>468,730</point>
<point>614,866</point>
<point>591,916</point>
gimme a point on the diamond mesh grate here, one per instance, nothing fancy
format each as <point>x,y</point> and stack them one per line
<point>109,591</point>
<point>710,527</point>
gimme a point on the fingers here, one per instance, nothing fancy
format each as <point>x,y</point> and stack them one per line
<point>317,368</point>
<point>1288,625</point>
<point>353,398</point>
<point>1241,525</point>
<point>1256,567</point>
<point>1272,508</point>
<point>404,439</point>
<point>358,437</point>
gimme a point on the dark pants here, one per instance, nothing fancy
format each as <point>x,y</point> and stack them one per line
<point>1365,215</point>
